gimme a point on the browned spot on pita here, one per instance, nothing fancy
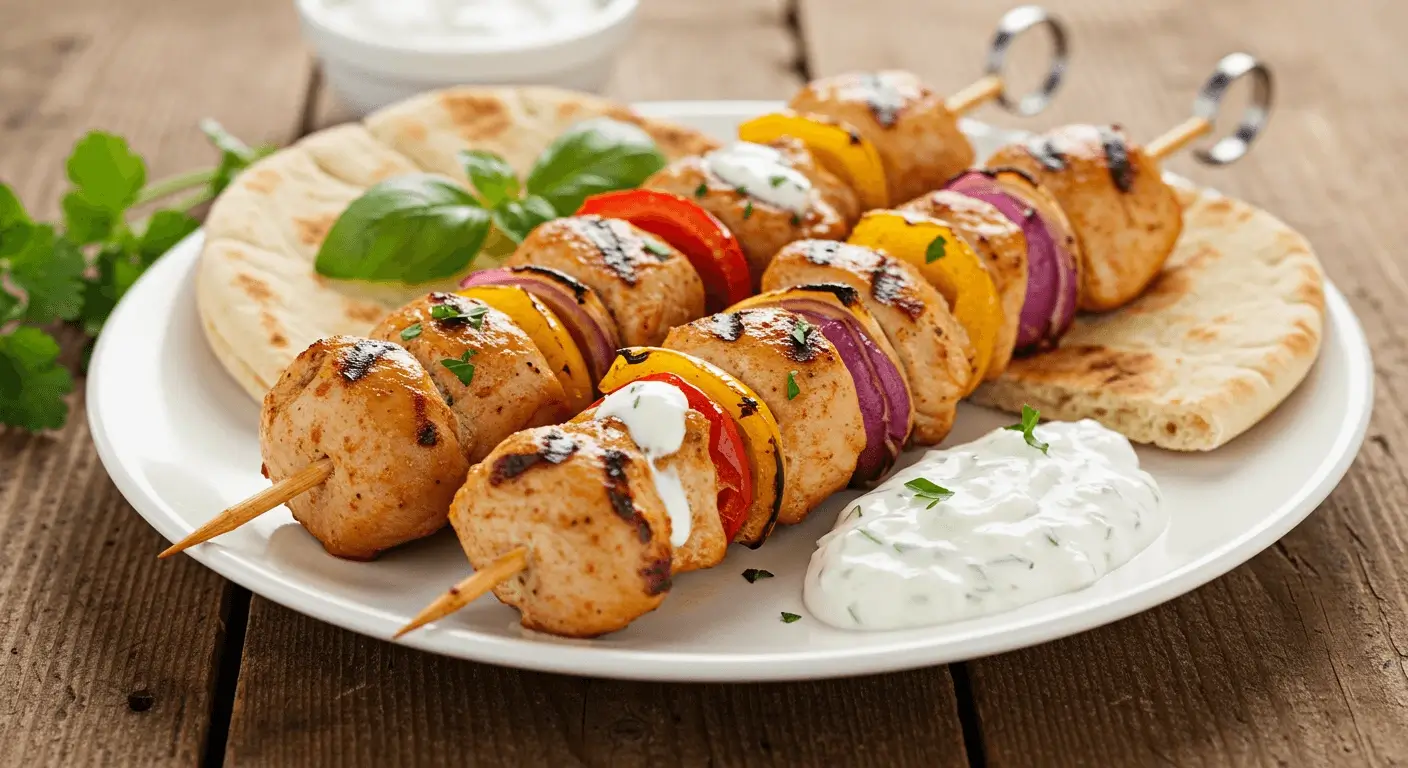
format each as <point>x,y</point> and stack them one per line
<point>256,289</point>
<point>367,313</point>
<point>1311,291</point>
<point>1301,343</point>
<point>316,433</point>
<point>386,170</point>
<point>411,130</point>
<point>1093,368</point>
<point>262,180</point>
<point>1175,282</point>
<point>312,231</point>
<point>1203,333</point>
<point>1239,389</point>
<point>477,117</point>
<point>234,254</point>
<point>271,327</point>
<point>323,388</point>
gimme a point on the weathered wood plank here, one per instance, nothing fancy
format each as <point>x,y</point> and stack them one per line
<point>311,694</point>
<point>106,656</point>
<point>1298,657</point>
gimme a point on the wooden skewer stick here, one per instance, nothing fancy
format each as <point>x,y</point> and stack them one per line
<point>466,591</point>
<point>979,92</point>
<point>1178,137</point>
<point>303,480</point>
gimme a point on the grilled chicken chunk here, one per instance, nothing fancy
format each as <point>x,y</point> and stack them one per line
<point>917,138</point>
<point>1003,248</point>
<point>580,498</point>
<point>1125,216</point>
<point>487,369</point>
<point>822,431</point>
<point>646,285</point>
<point>933,348</point>
<point>370,408</point>
<point>762,228</point>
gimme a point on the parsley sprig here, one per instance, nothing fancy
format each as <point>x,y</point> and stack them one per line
<point>114,225</point>
<point>928,490</point>
<point>1030,418</point>
<point>461,367</point>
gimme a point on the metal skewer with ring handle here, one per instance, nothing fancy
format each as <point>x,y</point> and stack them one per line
<point>1231,68</point>
<point>993,87</point>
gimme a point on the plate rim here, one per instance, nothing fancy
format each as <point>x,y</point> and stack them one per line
<point>667,666</point>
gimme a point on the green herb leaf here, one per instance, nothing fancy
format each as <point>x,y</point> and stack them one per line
<point>32,383</point>
<point>12,211</point>
<point>411,331</point>
<point>747,210</point>
<point>86,222</point>
<point>410,229</point>
<point>593,156</point>
<point>164,231</point>
<point>701,190</point>
<point>516,218</point>
<point>105,172</point>
<point>1030,418</point>
<point>655,246</point>
<point>753,574</point>
<point>461,367</point>
<point>928,490</point>
<point>788,618</point>
<point>777,181</point>
<point>475,315</point>
<point>493,178</point>
<point>871,536</point>
<point>792,389</point>
<point>796,219</point>
<point>935,251</point>
<point>235,155</point>
<point>48,268</point>
<point>800,331</point>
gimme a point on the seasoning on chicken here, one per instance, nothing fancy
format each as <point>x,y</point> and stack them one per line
<point>933,348</point>
<point>917,137</point>
<point>646,285</point>
<point>767,195</point>
<point>1125,216</point>
<point>486,368</point>
<point>801,378</point>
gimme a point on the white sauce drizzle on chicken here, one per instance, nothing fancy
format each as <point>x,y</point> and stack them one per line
<point>761,172</point>
<point>654,415</point>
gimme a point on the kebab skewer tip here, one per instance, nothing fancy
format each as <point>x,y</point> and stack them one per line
<point>304,480</point>
<point>469,590</point>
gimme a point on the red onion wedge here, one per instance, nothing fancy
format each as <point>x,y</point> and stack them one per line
<point>887,410</point>
<point>575,305</point>
<point>1052,277</point>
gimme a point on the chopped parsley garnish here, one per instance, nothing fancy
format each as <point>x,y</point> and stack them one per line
<point>777,181</point>
<point>796,219</point>
<point>1030,417</point>
<point>753,574</point>
<point>788,618</point>
<point>871,536</point>
<point>854,615</point>
<point>856,512</point>
<point>742,191</point>
<point>461,367</point>
<point>656,247</point>
<point>475,315</point>
<point>800,331</point>
<point>635,403</point>
<point>1051,537</point>
<point>792,389</point>
<point>935,251</point>
<point>410,332</point>
<point>928,490</point>
<point>747,209</point>
<point>701,190</point>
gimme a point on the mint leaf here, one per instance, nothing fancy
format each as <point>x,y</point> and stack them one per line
<point>105,172</point>
<point>493,178</point>
<point>32,383</point>
<point>516,218</point>
<point>598,155</point>
<point>410,229</point>
<point>928,490</point>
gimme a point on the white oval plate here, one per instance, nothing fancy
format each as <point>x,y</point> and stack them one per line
<point>179,438</point>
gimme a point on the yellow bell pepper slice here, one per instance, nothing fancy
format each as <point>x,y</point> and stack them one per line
<point>761,438</point>
<point>950,264</point>
<point>838,147</point>
<point>548,334</point>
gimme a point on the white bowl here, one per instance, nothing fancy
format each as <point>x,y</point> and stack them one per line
<point>369,73</point>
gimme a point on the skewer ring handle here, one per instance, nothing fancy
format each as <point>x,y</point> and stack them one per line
<point>1234,67</point>
<point>1014,23</point>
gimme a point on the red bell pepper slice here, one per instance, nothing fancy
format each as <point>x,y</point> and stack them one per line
<point>693,231</point>
<point>735,480</point>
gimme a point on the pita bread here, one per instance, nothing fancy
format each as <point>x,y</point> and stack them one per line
<point>259,299</point>
<point>1223,335</point>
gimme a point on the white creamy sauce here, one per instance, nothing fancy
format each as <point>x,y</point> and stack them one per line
<point>654,415</point>
<point>443,21</point>
<point>761,172</point>
<point>1021,526</point>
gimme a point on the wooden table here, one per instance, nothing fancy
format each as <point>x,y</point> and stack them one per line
<point>1299,657</point>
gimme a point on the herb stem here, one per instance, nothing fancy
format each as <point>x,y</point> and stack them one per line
<point>173,184</point>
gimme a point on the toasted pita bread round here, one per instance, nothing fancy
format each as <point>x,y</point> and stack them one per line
<point>260,301</point>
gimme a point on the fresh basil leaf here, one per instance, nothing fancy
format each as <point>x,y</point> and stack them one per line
<point>593,156</point>
<point>516,218</point>
<point>410,229</point>
<point>492,176</point>
<point>105,172</point>
<point>164,231</point>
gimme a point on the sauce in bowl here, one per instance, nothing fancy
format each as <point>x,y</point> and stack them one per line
<point>441,22</point>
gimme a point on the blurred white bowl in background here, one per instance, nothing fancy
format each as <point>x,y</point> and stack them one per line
<point>371,69</point>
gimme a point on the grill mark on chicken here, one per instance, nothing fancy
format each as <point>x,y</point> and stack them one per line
<point>1117,158</point>
<point>357,361</point>
<point>657,576</point>
<point>846,294</point>
<point>578,288</point>
<point>887,284</point>
<point>822,253</point>
<point>1045,152</point>
<point>727,326</point>
<point>618,490</point>
<point>613,251</point>
<point>992,173</point>
<point>426,433</point>
<point>555,448</point>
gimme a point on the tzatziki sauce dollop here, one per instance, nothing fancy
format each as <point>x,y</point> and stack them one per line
<point>440,22</point>
<point>1020,526</point>
<point>654,415</point>
<point>761,172</point>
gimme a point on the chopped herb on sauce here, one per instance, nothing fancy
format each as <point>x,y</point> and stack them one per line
<point>871,536</point>
<point>928,490</point>
<point>1030,418</point>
